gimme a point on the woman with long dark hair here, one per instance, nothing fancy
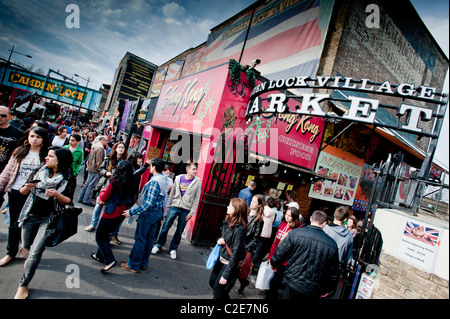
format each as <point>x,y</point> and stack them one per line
<point>26,158</point>
<point>116,198</point>
<point>136,159</point>
<point>52,188</point>
<point>106,170</point>
<point>225,271</point>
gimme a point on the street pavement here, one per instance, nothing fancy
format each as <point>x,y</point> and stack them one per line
<point>68,271</point>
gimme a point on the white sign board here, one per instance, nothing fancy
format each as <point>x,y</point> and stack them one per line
<point>419,244</point>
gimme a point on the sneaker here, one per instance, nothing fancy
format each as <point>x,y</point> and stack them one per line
<point>173,254</point>
<point>89,228</point>
<point>155,250</point>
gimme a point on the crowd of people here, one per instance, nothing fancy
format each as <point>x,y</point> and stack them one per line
<point>307,257</point>
<point>39,163</point>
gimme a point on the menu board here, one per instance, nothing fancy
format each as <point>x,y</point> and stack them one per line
<point>345,168</point>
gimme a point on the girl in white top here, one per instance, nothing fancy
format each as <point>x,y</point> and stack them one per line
<point>60,139</point>
<point>25,159</point>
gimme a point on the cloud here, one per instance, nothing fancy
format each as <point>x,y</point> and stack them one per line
<point>173,10</point>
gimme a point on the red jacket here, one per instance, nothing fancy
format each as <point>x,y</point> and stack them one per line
<point>282,232</point>
<point>104,196</point>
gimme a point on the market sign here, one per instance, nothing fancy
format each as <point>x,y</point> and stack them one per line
<point>342,167</point>
<point>360,110</point>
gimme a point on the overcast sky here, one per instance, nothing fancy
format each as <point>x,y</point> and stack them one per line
<point>156,30</point>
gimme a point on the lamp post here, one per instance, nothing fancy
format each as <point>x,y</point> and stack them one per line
<point>9,60</point>
<point>84,95</point>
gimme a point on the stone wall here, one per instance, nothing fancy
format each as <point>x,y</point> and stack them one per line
<point>399,280</point>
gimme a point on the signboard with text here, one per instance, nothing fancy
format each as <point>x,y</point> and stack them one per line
<point>52,88</point>
<point>343,167</point>
<point>419,244</point>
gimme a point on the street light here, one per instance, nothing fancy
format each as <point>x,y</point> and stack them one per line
<point>84,95</point>
<point>9,60</point>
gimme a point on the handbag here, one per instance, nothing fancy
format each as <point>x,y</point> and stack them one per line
<point>265,274</point>
<point>213,256</point>
<point>245,265</point>
<point>62,224</point>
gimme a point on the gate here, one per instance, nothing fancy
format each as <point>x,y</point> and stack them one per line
<point>224,182</point>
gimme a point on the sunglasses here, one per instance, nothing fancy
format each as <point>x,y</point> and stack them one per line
<point>4,115</point>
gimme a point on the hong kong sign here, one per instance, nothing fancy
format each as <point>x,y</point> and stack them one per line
<point>361,109</point>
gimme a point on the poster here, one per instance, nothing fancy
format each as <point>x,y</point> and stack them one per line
<point>343,167</point>
<point>419,244</point>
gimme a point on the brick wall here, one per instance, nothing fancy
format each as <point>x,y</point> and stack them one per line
<point>381,54</point>
<point>400,280</point>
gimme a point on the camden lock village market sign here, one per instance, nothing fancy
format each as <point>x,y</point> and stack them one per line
<point>361,109</point>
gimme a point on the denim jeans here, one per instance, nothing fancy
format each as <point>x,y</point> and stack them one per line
<point>174,212</point>
<point>96,214</point>
<point>144,238</point>
<point>33,239</point>
<point>88,189</point>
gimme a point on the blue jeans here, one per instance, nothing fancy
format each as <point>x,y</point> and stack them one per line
<point>144,237</point>
<point>174,212</point>
<point>33,239</point>
<point>88,189</point>
<point>96,214</point>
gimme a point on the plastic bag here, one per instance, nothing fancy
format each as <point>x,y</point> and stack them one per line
<point>265,274</point>
<point>213,256</point>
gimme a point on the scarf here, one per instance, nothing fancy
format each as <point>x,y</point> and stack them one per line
<point>47,182</point>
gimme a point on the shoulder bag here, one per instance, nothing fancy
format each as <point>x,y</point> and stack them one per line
<point>245,265</point>
<point>62,224</point>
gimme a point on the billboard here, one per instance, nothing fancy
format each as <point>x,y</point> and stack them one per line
<point>137,79</point>
<point>286,35</point>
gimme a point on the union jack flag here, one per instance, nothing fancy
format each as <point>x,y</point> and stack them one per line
<point>423,233</point>
<point>287,36</point>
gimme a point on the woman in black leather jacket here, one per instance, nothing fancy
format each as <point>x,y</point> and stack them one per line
<point>225,271</point>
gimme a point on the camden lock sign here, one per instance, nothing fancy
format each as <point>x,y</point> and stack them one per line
<point>361,109</point>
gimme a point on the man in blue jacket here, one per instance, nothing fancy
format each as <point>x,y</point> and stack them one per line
<point>246,193</point>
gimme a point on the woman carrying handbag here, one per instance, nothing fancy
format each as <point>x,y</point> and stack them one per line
<point>53,185</point>
<point>25,159</point>
<point>225,271</point>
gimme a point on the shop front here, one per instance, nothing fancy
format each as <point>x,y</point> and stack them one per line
<point>201,118</point>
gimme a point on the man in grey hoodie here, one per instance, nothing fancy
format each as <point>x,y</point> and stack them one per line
<point>341,236</point>
<point>182,202</point>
